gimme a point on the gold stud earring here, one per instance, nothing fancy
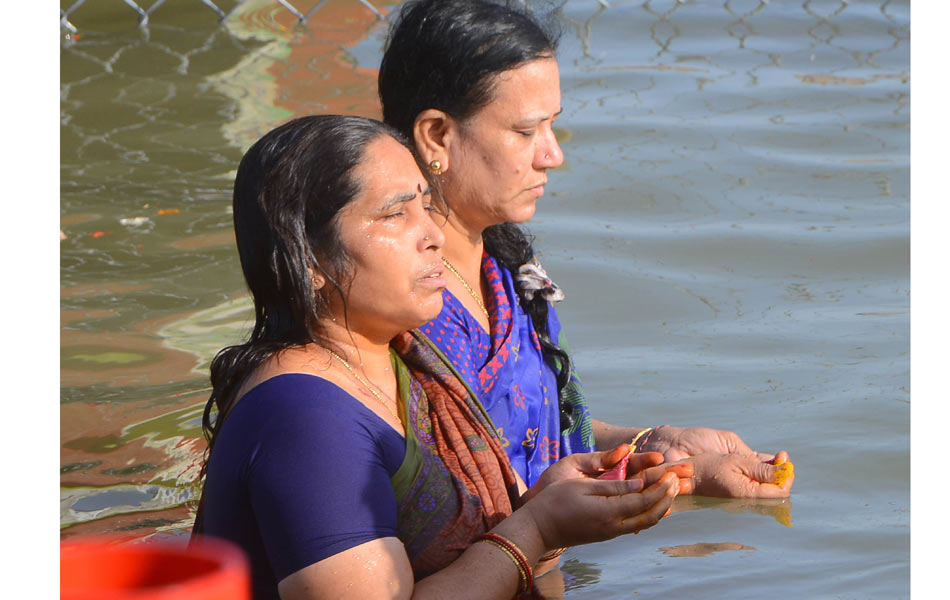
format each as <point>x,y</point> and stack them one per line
<point>436,167</point>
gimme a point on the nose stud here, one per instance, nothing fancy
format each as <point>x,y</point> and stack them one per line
<point>547,156</point>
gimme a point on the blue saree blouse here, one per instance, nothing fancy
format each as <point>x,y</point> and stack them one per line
<point>507,370</point>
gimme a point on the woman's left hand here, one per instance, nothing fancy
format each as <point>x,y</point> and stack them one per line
<point>677,443</point>
<point>735,476</point>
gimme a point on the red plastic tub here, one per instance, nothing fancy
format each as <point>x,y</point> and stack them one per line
<point>102,569</point>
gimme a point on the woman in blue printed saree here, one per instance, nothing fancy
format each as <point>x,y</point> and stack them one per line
<point>476,86</point>
<point>346,456</point>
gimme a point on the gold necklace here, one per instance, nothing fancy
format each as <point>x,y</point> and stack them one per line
<point>467,286</point>
<point>365,383</point>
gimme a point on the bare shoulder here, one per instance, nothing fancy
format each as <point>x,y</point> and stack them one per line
<point>375,569</point>
<point>302,359</point>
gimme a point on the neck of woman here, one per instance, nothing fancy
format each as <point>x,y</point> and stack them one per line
<point>463,247</point>
<point>463,252</point>
<point>367,355</point>
<point>362,366</point>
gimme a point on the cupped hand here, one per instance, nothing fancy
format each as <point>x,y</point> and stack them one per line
<point>736,476</point>
<point>582,510</point>
<point>646,466</point>
<point>677,443</point>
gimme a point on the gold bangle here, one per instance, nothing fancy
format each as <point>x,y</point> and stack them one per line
<point>516,555</point>
<point>552,554</point>
<point>522,576</point>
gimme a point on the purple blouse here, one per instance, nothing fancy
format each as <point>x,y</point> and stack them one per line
<point>300,471</point>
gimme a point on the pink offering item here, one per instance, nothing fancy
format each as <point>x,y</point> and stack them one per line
<point>619,470</point>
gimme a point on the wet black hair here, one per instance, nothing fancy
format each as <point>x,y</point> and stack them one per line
<point>289,189</point>
<point>446,55</point>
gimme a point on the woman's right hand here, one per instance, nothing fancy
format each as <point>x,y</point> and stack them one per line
<point>582,511</point>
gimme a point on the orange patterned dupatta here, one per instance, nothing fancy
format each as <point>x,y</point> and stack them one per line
<point>456,481</point>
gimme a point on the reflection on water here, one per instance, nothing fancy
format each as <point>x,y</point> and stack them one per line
<point>779,509</point>
<point>577,574</point>
<point>201,333</point>
<point>730,227</point>
<point>703,549</point>
<point>157,459</point>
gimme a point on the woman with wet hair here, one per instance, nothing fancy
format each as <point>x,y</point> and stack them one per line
<point>345,455</point>
<point>475,85</point>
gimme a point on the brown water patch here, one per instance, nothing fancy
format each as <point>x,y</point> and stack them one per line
<point>94,445</point>
<point>78,466</point>
<point>131,526</point>
<point>98,358</point>
<point>208,240</point>
<point>67,317</point>
<point>102,419</point>
<point>78,219</point>
<point>318,77</point>
<point>131,462</point>
<point>101,289</point>
<point>124,358</point>
<point>824,79</point>
<point>704,549</point>
<point>674,68</point>
<point>120,359</point>
<point>104,443</point>
<point>133,469</point>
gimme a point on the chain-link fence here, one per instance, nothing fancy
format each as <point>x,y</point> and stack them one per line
<point>220,9</point>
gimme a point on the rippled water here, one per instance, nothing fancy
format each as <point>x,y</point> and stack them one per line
<point>731,227</point>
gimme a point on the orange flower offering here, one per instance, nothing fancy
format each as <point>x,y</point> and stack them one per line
<point>782,473</point>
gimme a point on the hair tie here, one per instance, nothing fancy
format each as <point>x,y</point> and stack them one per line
<point>532,279</point>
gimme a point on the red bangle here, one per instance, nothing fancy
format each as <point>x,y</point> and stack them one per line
<point>515,553</point>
